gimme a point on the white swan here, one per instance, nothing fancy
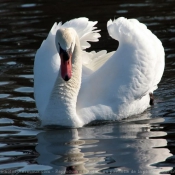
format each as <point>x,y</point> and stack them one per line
<point>73,87</point>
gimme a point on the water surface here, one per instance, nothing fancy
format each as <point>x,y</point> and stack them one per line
<point>143,144</point>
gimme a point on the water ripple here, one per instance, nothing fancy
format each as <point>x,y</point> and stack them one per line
<point>128,147</point>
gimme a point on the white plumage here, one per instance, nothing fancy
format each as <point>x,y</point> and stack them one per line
<point>104,86</point>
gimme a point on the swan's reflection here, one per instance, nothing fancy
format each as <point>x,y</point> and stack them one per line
<point>122,148</point>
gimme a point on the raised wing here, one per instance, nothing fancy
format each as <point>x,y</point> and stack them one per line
<point>46,67</point>
<point>85,30</point>
<point>132,72</point>
<point>47,61</point>
<point>140,56</point>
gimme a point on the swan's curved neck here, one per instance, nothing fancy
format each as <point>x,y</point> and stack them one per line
<point>68,90</point>
<point>64,93</point>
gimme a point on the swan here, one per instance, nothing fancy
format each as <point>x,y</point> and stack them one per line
<point>73,87</point>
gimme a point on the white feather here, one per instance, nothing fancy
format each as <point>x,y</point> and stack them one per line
<point>114,85</point>
<point>85,30</point>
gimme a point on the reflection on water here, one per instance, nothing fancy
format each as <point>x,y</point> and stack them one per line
<point>143,145</point>
<point>121,148</point>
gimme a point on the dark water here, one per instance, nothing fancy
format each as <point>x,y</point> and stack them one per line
<point>141,145</point>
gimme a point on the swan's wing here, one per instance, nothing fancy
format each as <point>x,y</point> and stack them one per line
<point>140,55</point>
<point>85,30</point>
<point>47,61</point>
<point>92,61</point>
<point>46,67</point>
<point>132,72</point>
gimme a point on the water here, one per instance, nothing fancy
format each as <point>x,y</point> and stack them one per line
<point>143,144</point>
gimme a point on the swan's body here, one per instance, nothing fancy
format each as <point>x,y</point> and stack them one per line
<point>96,86</point>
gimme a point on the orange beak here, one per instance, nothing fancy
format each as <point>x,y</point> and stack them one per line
<point>66,66</point>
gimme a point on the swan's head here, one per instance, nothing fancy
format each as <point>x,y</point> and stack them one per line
<point>65,43</point>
